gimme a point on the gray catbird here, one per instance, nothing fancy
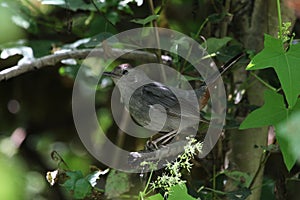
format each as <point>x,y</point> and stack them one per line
<point>142,95</point>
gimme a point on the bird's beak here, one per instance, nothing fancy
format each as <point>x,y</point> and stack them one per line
<point>111,74</point>
<point>107,73</point>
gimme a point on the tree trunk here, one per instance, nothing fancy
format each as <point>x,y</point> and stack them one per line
<point>257,18</point>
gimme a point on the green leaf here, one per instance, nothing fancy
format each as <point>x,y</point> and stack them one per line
<point>78,185</point>
<point>82,189</point>
<point>146,20</point>
<point>117,183</point>
<point>288,136</point>
<point>272,112</point>
<point>285,63</point>
<point>192,78</point>
<point>267,191</point>
<point>41,47</point>
<point>179,192</point>
<point>71,181</point>
<point>288,158</point>
<point>215,44</point>
<point>113,17</point>
<point>155,197</point>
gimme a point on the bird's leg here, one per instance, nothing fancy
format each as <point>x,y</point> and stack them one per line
<point>163,140</point>
<point>168,137</point>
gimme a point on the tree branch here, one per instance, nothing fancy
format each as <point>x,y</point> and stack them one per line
<point>54,59</point>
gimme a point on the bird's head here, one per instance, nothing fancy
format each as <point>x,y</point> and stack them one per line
<point>119,71</point>
<point>131,75</point>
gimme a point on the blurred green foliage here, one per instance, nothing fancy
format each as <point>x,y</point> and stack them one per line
<point>12,178</point>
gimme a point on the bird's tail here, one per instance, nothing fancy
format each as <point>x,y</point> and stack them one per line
<point>224,68</point>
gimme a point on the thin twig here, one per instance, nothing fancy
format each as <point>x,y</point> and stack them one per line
<point>157,39</point>
<point>154,22</point>
<point>102,14</point>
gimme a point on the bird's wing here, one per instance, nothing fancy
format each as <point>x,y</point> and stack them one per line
<point>157,93</point>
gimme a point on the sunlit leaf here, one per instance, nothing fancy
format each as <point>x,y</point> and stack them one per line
<point>125,2</point>
<point>26,52</point>
<point>94,176</point>
<point>14,12</point>
<point>285,63</point>
<point>274,112</point>
<point>12,173</point>
<point>20,21</point>
<point>155,197</point>
<point>53,2</point>
<point>74,5</point>
<point>179,192</point>
<point>77,43</point>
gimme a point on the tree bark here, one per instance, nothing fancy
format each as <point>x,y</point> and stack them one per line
<point>259,17</point>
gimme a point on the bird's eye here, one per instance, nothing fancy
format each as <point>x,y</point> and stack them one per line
<point>124,72</point>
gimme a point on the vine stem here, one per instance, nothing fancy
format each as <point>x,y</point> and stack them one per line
<point>201,27</point>
<point>279,20</point>
<point>263,82</point>
<point>144,192</point>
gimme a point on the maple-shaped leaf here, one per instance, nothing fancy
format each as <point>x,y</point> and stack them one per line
<point>273,112</point>
<point>285,63</point>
